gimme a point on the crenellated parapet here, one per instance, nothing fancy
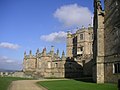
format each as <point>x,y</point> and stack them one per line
<point>41,60</point>
<point>44,53</point>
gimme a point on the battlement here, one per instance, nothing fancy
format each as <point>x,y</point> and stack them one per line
<point>79,30</point>
<point>44,53</point>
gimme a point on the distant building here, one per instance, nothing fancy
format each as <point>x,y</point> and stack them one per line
<point>76,64</point>
<point>79,48</point>
<point>106,53</point>
<point>44,64</point>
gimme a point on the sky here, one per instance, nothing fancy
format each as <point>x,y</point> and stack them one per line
<point>31,24</point>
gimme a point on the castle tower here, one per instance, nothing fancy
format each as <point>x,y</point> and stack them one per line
<point>98,43</point>
<point>69,45</point>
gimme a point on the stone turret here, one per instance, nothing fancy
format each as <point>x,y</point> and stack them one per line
<point>52,51</point>
<point>37,52</point>
<point>58,52</point>
<point>30,53</point>
<point>89,26</point>
<point>69,44</point>
<point>44,52</point>
<point>83,27</point>
<point>63,55</point>
<point>25,54</point>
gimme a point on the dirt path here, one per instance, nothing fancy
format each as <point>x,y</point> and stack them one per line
<point>25,85</point>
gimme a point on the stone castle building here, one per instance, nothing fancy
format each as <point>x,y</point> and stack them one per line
<point>106,53</point>
<point>44,64</point>
<point>79,48</point>
<point>90,51</point>
<point>50,65</point>
<point>76,64</point>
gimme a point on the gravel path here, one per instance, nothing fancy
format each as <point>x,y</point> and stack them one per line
<point>25,85</point>
<point>28,84</point>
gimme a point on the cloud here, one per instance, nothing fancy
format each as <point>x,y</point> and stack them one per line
<point>8,63</point>
<point>55,37</point>
<point>73,15</point>
<point>4,59</point>
<point>9,45</point>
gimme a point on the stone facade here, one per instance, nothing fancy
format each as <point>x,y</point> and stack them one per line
<point>44,64</point>
<point>79,48</point>
<point>106,44</point>
<point>78,62</point>
<point>50,65</point>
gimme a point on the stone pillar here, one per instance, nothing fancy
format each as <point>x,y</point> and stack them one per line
<point>98,54</point>
<point>69,45</point>
<point>100,47</point>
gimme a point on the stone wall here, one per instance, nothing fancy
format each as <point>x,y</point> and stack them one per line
<point>112,40</point>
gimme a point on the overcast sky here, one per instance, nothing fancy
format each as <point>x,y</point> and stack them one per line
<point>30,24</point>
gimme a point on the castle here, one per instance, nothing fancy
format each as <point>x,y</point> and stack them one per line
<point>76,64</point>
<point>92,51</point>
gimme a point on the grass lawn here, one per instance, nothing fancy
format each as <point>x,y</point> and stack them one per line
<point>75,85</point>
<point>5,81</point>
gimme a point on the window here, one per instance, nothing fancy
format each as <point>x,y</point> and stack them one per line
<point>56,64</point>
<point>81,36</point>
<point>80,51</point>
<point>81,48</point>
<point>116,68</point>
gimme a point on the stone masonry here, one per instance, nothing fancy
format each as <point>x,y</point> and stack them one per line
<point>106,42</point>
<point>79,48</point>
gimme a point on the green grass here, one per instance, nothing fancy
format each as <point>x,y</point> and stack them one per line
<point>5,81</point>
<point>75,85</point>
